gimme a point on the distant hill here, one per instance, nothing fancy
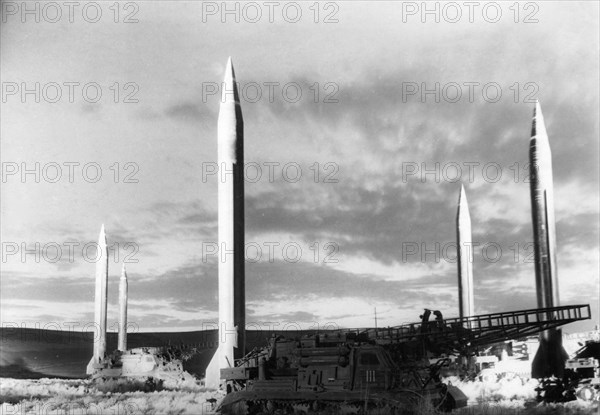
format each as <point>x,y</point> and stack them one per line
<point>34,353</point>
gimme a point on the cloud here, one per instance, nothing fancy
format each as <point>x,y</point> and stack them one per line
<point>188,111</point>
<point>370,136</point>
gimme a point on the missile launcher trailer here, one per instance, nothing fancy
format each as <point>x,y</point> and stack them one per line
<point>376,370</point>
<point>332,373</point>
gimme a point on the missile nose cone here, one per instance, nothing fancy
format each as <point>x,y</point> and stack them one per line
<point>463,214</point>
<point>463,204</point>
<point>229,69</point>
<point>102,236</point>
<point>229,73</point>
<point>538,127</point>
<point>230,122</point>
<point>229,92</point>
<point>123,272</point>
<point>462,196</point>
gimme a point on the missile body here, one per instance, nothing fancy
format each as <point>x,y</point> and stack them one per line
<point>466,302</point>
<point>551,356</point>
<point>100,304</point>
<point>232,314</point>
<point>542,209</point>
<point>123,287</point>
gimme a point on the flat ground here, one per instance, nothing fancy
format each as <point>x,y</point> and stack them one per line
<point>81,396</point>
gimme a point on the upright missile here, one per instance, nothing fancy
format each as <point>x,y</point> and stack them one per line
<point>542,209</point>
<point>100,304</point>
<point>551,356</point>
<point>466,302</point>
<point>232,304</point>
<point>123,286</point>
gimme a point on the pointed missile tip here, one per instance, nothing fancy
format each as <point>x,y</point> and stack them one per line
<point>102,237</point>
<point>229,72</point>
<point>463,194</point>
<point>123,271</point>
<point>538,125</point>
<point>537,109</point>
<point>463,204</point>
<point>229,85</point>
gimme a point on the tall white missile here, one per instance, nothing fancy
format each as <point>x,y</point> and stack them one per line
<point>551,356</point>
<point>100,304</point>
<point>232,303</point>
<point>466,302</point>
<point>123,287</point>
<point>542,209</point>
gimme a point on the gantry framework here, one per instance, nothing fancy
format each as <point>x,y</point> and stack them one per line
<point>463,335</point>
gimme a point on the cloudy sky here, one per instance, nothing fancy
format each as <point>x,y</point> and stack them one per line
<point>364,120</point>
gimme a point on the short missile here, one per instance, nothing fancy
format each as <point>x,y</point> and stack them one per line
<point>466,302</point>
<point>550,357</point>
<point>100,304</point>
<point>123,286</point>
<point>232,304</point>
